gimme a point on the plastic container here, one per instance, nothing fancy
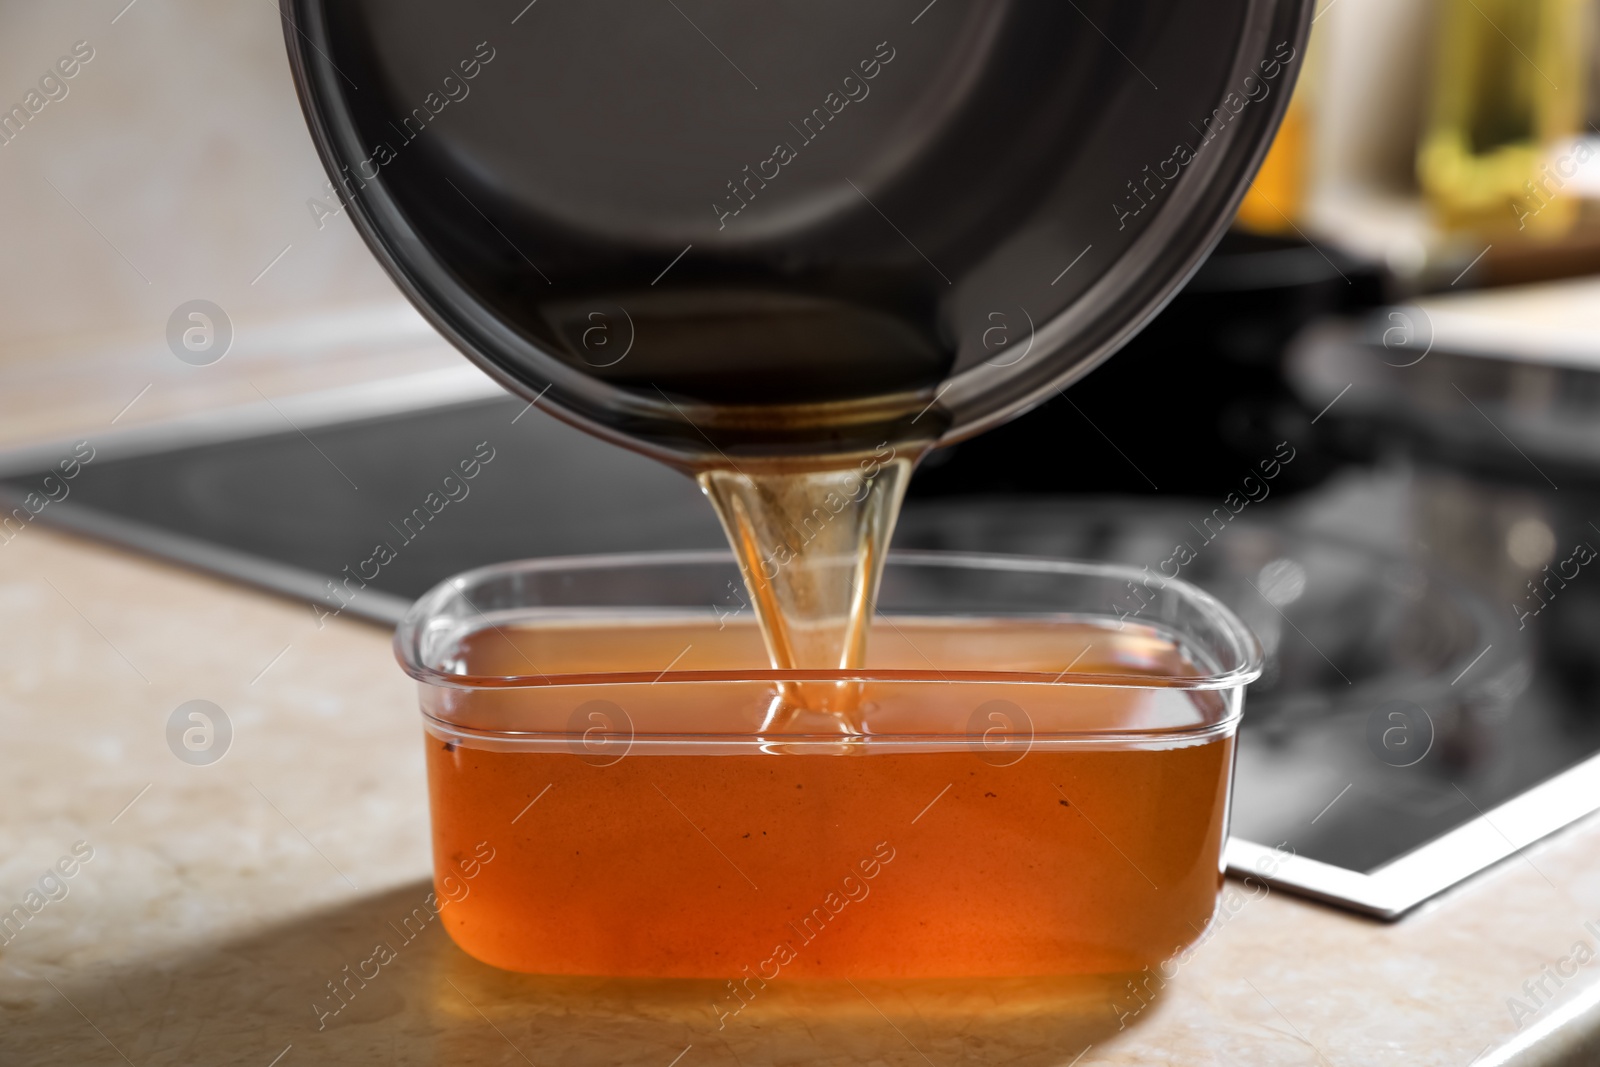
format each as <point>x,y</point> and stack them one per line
<point>1039,785</point>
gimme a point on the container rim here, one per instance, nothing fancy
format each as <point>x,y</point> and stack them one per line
<point>1238,643</point>
<point>627,742</point>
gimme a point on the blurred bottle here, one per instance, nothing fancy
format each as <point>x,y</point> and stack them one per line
<point>1277,194</point>
<point>1508,101</point>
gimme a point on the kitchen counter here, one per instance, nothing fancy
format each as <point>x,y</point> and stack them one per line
<point>219,901</point>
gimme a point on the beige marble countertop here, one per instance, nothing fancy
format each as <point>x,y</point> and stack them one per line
<point>220,900</point>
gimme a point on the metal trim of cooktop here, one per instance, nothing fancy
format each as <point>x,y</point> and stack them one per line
<point>346,405</point>
<point>1387,892</point>
<point>287,580</point>
<point>1391,890</point>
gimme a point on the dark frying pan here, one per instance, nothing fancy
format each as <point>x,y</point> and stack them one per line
<point>694,226</point>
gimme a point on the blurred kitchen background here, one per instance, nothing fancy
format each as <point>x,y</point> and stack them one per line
<point>1403,326</point>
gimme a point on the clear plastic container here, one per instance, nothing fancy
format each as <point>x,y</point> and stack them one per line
<point>1039,785</point>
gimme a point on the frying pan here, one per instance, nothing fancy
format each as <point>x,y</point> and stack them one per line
<point>702,228</point>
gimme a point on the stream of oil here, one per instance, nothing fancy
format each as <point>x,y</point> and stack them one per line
<point>810,541</point>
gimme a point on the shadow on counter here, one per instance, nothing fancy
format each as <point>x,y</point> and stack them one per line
<point>246,1001</point>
